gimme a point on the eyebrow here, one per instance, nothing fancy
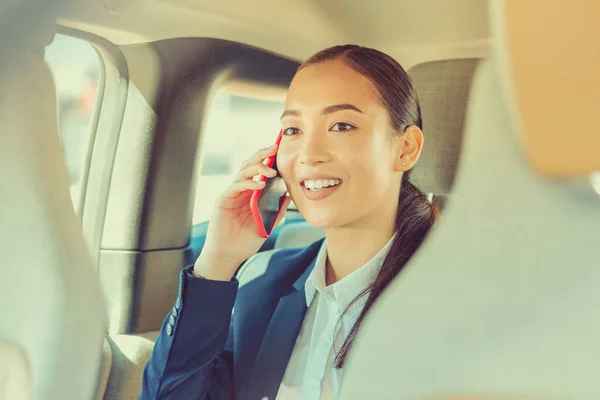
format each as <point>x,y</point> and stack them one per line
<point>326,110</point>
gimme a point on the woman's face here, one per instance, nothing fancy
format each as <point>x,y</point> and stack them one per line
<point>339,157</point>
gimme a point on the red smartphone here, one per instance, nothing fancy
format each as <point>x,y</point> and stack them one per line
<point>266,204</point>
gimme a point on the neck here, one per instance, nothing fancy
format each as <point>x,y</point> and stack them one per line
<point>351,246</point>
<point>348,249</point>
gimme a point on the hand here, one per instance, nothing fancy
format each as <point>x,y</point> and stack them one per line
<point>232,235</point>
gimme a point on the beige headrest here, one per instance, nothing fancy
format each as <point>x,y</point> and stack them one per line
<point>551,56</point>
<point>443,88</point>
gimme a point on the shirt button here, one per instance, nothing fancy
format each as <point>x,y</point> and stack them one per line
<point>174,312</point>
<point>169,330</point>
<point>171,320</point>
<point>178,303</point>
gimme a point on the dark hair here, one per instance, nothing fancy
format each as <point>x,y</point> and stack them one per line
<point>415,215</point>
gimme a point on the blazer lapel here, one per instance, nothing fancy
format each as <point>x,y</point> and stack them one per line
<point>279,340</point>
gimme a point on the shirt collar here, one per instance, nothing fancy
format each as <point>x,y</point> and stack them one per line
<point>347,288</point>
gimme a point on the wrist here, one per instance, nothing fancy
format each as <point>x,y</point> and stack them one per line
<point>214,267</point>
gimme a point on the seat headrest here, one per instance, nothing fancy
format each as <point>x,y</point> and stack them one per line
<point>550,59</point>
<point>443,89</point>
<point>25,27</point>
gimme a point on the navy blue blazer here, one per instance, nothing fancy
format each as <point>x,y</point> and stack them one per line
<point>226,340</point>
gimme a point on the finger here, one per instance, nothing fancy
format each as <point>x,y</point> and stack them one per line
<point>255,169</point>
<point>242,186</point>
<point>260,156</point>
<point>284,206</point>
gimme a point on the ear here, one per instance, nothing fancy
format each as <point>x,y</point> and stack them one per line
<point>409,145</point>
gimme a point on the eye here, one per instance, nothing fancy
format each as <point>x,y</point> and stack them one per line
<point>341,127</point>
<point>290,131</point>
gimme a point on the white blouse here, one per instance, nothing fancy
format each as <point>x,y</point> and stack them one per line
<point>311,373</point>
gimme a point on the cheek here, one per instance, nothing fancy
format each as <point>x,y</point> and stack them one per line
<point>367,176</point>
<point>362,157</point>
<point>369,170</point>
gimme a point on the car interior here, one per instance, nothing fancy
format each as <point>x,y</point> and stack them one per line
<point>123,120</point>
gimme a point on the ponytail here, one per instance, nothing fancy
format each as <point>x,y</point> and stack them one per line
<point>415,217</point>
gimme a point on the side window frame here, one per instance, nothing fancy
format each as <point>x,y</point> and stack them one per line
<point>104,136</point>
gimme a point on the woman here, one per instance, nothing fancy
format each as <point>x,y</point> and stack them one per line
<point>283,328</point>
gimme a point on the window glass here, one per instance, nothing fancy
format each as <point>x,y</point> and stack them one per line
<point>76,68</point>
<point>236,128</point>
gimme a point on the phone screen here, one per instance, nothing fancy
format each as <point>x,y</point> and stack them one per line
<point>270,200</point>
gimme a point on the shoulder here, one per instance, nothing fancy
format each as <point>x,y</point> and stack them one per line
<point>276,264</point>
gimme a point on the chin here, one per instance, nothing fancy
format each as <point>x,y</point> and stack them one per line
<point>322,214</point>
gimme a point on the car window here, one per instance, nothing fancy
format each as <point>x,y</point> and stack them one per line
<point>76,68</point>
<point>236,128</point>
<point>595,178</point>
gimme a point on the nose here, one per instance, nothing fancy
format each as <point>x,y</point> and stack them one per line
<point>314,149</point>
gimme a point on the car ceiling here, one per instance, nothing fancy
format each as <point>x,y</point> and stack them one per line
<point>411,30</point>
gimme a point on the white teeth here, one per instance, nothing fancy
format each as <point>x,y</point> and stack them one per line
<point>321,183</point>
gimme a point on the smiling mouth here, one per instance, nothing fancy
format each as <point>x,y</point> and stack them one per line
<point>320,184</point>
